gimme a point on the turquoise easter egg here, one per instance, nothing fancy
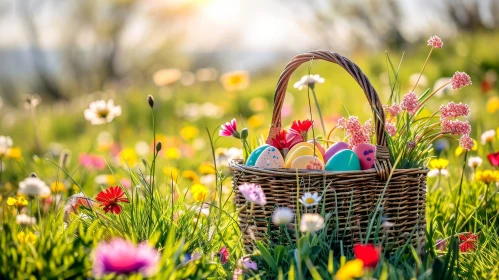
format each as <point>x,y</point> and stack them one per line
<point>255,154</point>
<point>344,160</point>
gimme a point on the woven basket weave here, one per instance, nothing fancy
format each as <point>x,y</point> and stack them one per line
<point>351,196</point>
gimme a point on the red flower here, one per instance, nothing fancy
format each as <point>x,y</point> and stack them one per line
<point>468,241</point>
<point>301,128</point>
<point>494,158</point>
<point>280,141</point>
<point>109,199</point>
<point>224,254</point>
<point>369,254</point>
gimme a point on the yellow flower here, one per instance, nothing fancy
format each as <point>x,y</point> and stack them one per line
<point>258,104</point>
<point>25,238</point>
<point>439,163</point>
<point>14,153</point>
<point>350,270</point>
<point>167,76</point>
<point>128,156</point>
<point>172,153</point>
<point>199,192</point>
<point>57,187</point>
<point>190,175</point>
<point>487,176</point>
<point>459,150</point>
<point>189,132</point>
<point>493,104</point>
<point>233,81</point>
<point>256,121</point>
<point>171,172</point>
<point>18,202</point>
<point>206,168</point>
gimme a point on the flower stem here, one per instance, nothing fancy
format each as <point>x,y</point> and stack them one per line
<point>318,110</point>
<point>422,70</point>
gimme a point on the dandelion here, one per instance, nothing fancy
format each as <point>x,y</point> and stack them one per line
<point>5,145</point>
<point>33,186</point>
<point>435,42</point>
<point>487,176</point>
<point>57,187</point>
<point>26,237</point>
<point>467,143</point>
<point>229,129</point>
<point>199,192</point>
<point>206,168</point>
<point>189,132</point>
<point>410,103</point>
<point>468,242</point>
<point>310,199</point>
<point>110,198</point>
<point>167,76</point>
<point>369,254</point>
<point>14,153</point>
<point>18,202</point>
<point>235,81</point>
<point>493,159</point>
<point>123,257</point>
<point>190,175</point>
<point>391,129</point>
<point>253,193</point>
<point>439,163</point>
<point>488,136</point>
<point>350,270</point>
<point>102,112</point>
<point>128,157</point>
<point>453,110</point>
<point>474,162</point>
<point>460,79</point>
<point>282,216</point>
<point>223,254</point>
<point>25,220</point>
<point>309,80</point>
<point>311,222</point>
<point>493,104</point>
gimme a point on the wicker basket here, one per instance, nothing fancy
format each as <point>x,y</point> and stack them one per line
<point>350,196</point>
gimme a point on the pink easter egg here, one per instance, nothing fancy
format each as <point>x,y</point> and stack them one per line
<point>366,154</point>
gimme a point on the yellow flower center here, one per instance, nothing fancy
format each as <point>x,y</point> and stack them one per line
<point>310,200</point>
<point>103,113</point>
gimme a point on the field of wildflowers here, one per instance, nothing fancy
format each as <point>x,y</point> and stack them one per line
<point>134,181</point>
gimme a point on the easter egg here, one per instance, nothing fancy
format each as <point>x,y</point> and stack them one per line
<point>366,154</point>
<point>270,158</point>
<point>255,154</point>
<point>307,162</point>
<point>301,151</point>
<point>336,147</point>
<point>344,160</point>
<point>299,145</point>
<point>317,145</point>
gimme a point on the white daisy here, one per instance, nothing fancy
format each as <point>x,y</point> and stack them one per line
<point>101,112</point>
<point>308,80</point>
<point>282,216</point>
<point>475,162</point>
<point>309,199</point>
<point>5,144</point>
<point>25,220</point>
<point>311,222</point>
<point>32,186</point>
<point>438,172</point>
<point>488,136</point>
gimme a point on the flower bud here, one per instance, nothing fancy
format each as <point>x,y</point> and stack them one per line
<point>244,133</point>
<point>158,146</point>
<point>150,100</point>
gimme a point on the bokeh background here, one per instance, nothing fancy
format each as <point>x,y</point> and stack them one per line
<point>67,54</point>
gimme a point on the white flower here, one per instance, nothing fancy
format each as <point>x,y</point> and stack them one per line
<point>475,162</point>
<point>142,148</point>
<point>5,144</point>
<point>282,216</point>
<point>101,112</point>
<point>311,222</point>
<point>32,186</point>
<point>445,90</point>
<point>25,220</point>
<point>423,80</point>
<point>310,199</point>
<point>488,136</point>
<point>208,179</point>
<point>436,172</point>
<point>308,80</point>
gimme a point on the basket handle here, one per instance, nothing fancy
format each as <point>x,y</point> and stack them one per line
<point>382,163</point>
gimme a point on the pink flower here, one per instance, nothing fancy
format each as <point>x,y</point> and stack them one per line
<point>435,42</point>
<point>281,141</point>
<point>466,142</point>
<point>460,79</point>
<point>456,127</point>
<point>353,124</point>
<point>453,110</point>
<point>92,161</point>
<point>229,129</point>
<point>410,103</point>
<point>224,254</point>
<point>393,110</point>
<point>298,131</point>
<point>246,264</point>
<point>391,129</point>
<point>123,257</point>
<point>253,193</point>
<point>237,273</point>
<point>342,123</point>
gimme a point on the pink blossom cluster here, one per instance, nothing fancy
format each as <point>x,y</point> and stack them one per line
<point>358,133</point>
<point>456,127</point>
<point>466,142</point>
<point>342,123</point>
<point>460,79</point>
<point>391,129</point>
<point>435,42</point>
<point>393,110</point>
<point>453,110</point>
<point>410,103</point>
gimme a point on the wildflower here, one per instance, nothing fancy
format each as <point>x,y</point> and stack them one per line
<point>26,237</point>
<point>171,172</point>
<point>5,145</point>
<point>25,220</point>
<point>456,127</point>
<point>350,270</point>
<point>253,193</point>
<point>167,76</point>
<point>73,204</point>
<point>475,162</point>
<point>342,123</point>
<point>256,121</point>
<point>311,222</point>
<point>14,153</point>
<point>18,202</point>
<point>128,157</point>
<point>439,163</point>
<point>247,264</point>
<point>358,134</point>
<point>487,176</point>
<point>493,159</point>
<point>31,101</point>
<point>368,254</point>
<point>109,199</point>
<point>435,42</point>
<point>190,175</point>
<point>92,162</point>
<point>459,150</point>
<point>206,74</point>
<point>282,216</point>
<point>460,79</point>
<point>493,104</point>
<point>189,132</point>
<point>123,257</point>
<point>438,172</point>
<point>453,110</point>
<point>299,130</point>
<point>199,192</point>
<point>308,80</point>
<point>224,254</point>
<point>468,242</point>
<point>32,186</point>
<point>237,272</point>
<point>236,80</point>
<point>488,136</point>
<point>410,103</point>
<point>391,129</point>
<point>466,142</point>
<point>310,199</point>
<point>57,187</point>
<point>229,129</point>
<point>393,110</point>
<point>101,112</point>
<point>172,153</point>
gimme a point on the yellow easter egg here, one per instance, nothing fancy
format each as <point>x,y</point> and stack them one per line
<point>302,151</point>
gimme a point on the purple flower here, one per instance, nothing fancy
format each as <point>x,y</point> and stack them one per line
<point>253,193</point>
<point>123,257</point>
